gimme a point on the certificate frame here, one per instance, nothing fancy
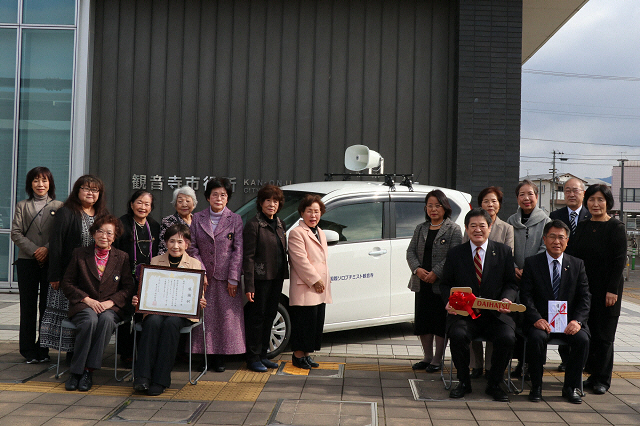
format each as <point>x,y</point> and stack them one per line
<point>152,300</point>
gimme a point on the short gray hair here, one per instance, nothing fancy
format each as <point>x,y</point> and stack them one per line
<point>186,190</point>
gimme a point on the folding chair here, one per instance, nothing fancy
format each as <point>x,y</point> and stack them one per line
<point>188,329</point>
<point>511,387</point>
<point>66,323</point>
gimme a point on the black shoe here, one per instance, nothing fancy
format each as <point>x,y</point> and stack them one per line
<point>311,362</point>
<point>572,395</point>
<point>599,389</point>
<point>562,367</point>
<point>218,363</point>
<point>497,393</point>
<point>268,363</point>
<point>461,390</point>
<point>86,381</point>
<point>476,373</point>
<point>432,368</point>
<point>141,384</point>
<point>44,359</point>
<point>535,395</point>
<point>257,367</point>
<point>420,365</point>
<point>155,389</point>
<point>300,362</point>
<point>72,382</point>
<point>589,383</point>
<point>32,361</point>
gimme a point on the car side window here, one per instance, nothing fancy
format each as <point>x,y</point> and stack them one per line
<point>409,214</point>
<point>354,222</point>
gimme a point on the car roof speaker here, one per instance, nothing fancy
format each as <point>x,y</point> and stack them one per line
<point>359,157</point>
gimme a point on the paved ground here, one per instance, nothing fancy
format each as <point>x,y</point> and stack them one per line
<point>365,379</point>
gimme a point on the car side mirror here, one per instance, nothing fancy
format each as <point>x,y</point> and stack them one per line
<point>332,237</point>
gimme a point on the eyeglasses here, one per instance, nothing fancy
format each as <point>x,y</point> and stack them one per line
<point>572,190</point>
<point>554,237</point>
<point>92,190</point>
<point>216,195</point>
<point>103,232</point>
<point>433,206</point>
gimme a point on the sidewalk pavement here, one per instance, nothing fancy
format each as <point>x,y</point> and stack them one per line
<point>365,379</point>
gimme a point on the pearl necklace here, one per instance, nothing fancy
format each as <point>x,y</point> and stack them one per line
<point>440,224</point>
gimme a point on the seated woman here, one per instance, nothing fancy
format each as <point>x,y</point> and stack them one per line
<point>161,333</point>
<point>98,284</point>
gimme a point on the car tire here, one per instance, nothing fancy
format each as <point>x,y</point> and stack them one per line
<point>280,332</point>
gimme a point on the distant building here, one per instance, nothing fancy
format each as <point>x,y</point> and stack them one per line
<point>631,191</point>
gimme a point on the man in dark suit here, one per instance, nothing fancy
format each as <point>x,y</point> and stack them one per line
<point>553,275</point>
<point>487,267</point>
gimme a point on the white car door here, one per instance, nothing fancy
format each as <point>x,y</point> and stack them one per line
<point>359,263</point>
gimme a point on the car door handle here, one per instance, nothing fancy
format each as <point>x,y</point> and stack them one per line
<point>378,252</point>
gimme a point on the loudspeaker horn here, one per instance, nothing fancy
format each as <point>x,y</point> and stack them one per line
<point>360,157</point>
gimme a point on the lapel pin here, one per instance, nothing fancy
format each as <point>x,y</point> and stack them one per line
<point>493,252</point>
<point>442,241</point>
<point>52,212</point>
<point>116,278</point>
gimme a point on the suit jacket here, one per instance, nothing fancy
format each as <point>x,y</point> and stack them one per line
<point>262,251</point>
<point>308,259</point>
<point>66,236</point>
<point>498,277</point>
<point>449,235</point>
<point>38,235</point>
<point>220,252</point>
<point>501,232</point>
<point>536,289</point>
<point>563,215</point>
<point>81,280</point>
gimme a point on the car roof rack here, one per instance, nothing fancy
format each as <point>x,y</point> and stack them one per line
<point>389,178</point>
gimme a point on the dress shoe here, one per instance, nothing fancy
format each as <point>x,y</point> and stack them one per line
<point>32,361</point>
<point>155,389</point>
<point>420,365</point>
<point>535,395</point>
<point>44,358</point>
<point>572,395</point>
<point>217,361</point>
<point>300,362</point>
<point>72,382</point>
<point>140,384</point>
<point>268,363</point>
<point>562,367</point>
<point>497,393</point>
<point>461,390</point>
<point>311,362</point>
<point>476,373</point>
<point>588,384</point>
<point>599,389</point>
<point>86,381</point>
<point>257,366</point>
<point>432,368</point>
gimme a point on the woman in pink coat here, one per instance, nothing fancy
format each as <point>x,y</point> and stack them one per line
<point>216,241</point>
<point>310,283</point>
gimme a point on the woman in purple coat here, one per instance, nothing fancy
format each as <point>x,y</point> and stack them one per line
<point>216,240</point>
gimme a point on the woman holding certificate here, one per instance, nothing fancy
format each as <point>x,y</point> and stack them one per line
<point>98,285</point>
<point>601,243</point>
<point>216,240</point>
<point>310,284</point>
<point>161,333</point>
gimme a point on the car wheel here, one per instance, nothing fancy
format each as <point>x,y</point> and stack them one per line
<point>280,332</point>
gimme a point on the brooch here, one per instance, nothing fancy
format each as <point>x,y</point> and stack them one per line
<point>230,236</point>
<point>493,252</point>
<point>52,212</point>
<point>116,278</point>
<point>442,241</point>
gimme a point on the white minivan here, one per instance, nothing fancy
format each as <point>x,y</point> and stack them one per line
<point>373,223</point>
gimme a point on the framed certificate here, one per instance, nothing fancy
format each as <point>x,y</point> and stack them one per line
<point>170,291</point>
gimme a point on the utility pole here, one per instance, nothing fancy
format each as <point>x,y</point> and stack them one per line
<point>622,215</point>
<point>553,178</point>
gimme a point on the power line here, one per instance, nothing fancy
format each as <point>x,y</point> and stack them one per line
<point>578,142</point>
<point>582,114</point>
<point>577,75</point>
<point>581,106</point>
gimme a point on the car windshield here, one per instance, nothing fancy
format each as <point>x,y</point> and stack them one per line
<point>288,214</point>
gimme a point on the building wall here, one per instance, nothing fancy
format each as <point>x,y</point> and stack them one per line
<point>631,181</point>
<point>276,90</point>
<point>488,107</point>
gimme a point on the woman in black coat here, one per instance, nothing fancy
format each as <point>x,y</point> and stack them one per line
<point>601,243</point>
<point>265,268</point>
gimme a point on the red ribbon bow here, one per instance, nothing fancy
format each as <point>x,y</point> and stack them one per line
<point>463,302</point>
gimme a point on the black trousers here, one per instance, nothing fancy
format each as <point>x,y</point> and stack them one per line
<point>600,361</point>
<point>31,279</point>
<point>307,324</point>
<point>503,337</point>
<point>93,333</point>
<point>259,316</point>
<point>576,357</point>
<point>158,347</point>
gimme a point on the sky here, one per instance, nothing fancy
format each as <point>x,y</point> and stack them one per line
<point>599,109</point>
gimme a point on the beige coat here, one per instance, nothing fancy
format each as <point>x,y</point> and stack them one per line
<point>40,231</point>
<point>308,259</point>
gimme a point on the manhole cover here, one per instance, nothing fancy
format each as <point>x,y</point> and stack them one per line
<point>158,411</point>
<point>428,390</point>
<point>294,412</point>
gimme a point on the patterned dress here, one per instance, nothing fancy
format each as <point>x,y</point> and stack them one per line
<point>166,223</point>
<point>58,305</point>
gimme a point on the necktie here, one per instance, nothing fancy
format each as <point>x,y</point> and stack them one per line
<point>555,283</point>
<point>572,219</point>
<point>478,265</point>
